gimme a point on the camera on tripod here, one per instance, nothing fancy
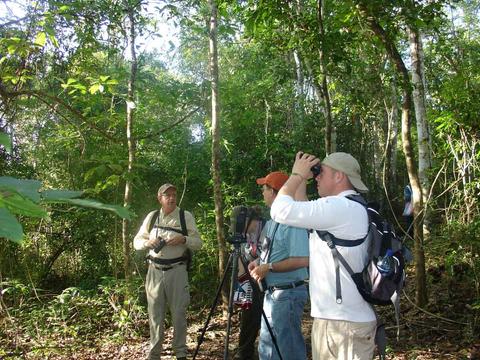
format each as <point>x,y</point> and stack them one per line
<point>238,225</point>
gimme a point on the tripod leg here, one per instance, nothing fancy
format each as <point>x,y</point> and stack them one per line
<point>235,257</point>
<point>274,338</point>
<point>212,308</point>
<point>270,330</point>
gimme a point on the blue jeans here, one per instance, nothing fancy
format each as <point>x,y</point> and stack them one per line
<point>284,310</point>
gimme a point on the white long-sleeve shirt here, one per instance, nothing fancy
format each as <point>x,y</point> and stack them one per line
<point>345,219</point>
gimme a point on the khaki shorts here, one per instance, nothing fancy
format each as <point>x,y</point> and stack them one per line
<point>343,340</point>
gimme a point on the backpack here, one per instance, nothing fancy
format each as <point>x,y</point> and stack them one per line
<point>184,231</point>
<point>383,277</point>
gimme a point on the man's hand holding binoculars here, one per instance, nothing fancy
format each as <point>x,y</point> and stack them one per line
<point>154,243</point>
<point>158,243</point>
<point>306,166</point>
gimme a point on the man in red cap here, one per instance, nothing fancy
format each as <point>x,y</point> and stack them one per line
<point>282,268</point>
<point>168,234</point>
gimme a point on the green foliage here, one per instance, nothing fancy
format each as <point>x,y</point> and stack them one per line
<point>74,317</point>
<point>461,244</point>
<point>63,85</point>
<point>24,197</point>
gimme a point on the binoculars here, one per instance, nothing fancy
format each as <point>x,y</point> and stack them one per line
<point>315,169</point>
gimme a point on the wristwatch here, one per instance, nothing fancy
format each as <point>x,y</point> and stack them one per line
<point>270,267</point>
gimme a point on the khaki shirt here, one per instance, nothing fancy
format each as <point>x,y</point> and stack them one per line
<point>193,240</point>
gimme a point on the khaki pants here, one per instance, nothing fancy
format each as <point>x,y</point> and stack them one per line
<point>167,288</point>
<point>343,340</point>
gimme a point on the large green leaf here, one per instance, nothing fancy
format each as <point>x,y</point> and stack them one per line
<point>27,188</point>
<point>18,204</point>
<point>10,228</point>
<point>119,210</point>
<point>55,195</point>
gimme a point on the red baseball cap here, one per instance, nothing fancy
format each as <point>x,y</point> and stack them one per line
<point>275,180</point>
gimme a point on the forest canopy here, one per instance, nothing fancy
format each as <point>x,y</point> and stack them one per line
<point>103,101</point>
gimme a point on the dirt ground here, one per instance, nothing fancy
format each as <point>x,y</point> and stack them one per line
<point>421,337</point>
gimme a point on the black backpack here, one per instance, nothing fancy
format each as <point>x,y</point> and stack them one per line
<point>382,279</point>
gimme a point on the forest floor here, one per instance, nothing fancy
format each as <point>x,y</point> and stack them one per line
<point>448,328</point>
<point>423,336</point>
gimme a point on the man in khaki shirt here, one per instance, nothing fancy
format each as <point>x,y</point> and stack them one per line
<point>167,277</point>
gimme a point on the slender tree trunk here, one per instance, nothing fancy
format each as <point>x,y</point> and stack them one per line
<point>420,276</point>
<point>217,182</point>
<point>299,81</point>
<point>389,172</point>
<point>423,134</point>
<point>127,198</point>
<point>324,82</point>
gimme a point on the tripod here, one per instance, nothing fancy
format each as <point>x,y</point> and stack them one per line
<point>232,261</point>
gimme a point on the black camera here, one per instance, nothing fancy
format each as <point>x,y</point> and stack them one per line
<point>315,169</point>
<point>238,225</point>
<point>160,246</point>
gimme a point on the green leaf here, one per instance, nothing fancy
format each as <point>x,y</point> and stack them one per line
<point>23,206</point>
<point>53,40</point>
<point>11,49</point>
<point>27,188</point>
<point>40,39</point>
<point>10,228</point>
<point>118,210</point>
<point>55,195</point>
<point>5,141</point>
<point>95,88</point>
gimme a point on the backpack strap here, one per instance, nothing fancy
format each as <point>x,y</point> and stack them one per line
<point>153,220</point>
<point>263,282</point>
<point>380,338</point>
<point>333,242</point>
<point>183,224</point>
<point>271,241</point>
<point>337,259</point>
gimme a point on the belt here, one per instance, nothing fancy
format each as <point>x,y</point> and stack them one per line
<point>161,261</point>
<point>286,286</point>
<point>165,268</point>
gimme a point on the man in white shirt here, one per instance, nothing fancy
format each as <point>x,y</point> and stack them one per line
<point>343,328</point>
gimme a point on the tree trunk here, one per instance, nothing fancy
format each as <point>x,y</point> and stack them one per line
<point>389,169</point>
<point>217,183</point>
<point>420,276</point>
<point>424,153</point>
<point>127,198</point>
<point>299,81</point>
<point>324,83</point>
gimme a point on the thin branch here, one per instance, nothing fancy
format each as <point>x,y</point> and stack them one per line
<point>42,96</point>
<point>171,126</point>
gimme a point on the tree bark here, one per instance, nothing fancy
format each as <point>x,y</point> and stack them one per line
<point>217,183</point>
<point>392,51</point>
<point>389,169</point>
<point>127,198</point>
<point>423,133</point>
<point>299,81</point>
<point>324,82</point>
